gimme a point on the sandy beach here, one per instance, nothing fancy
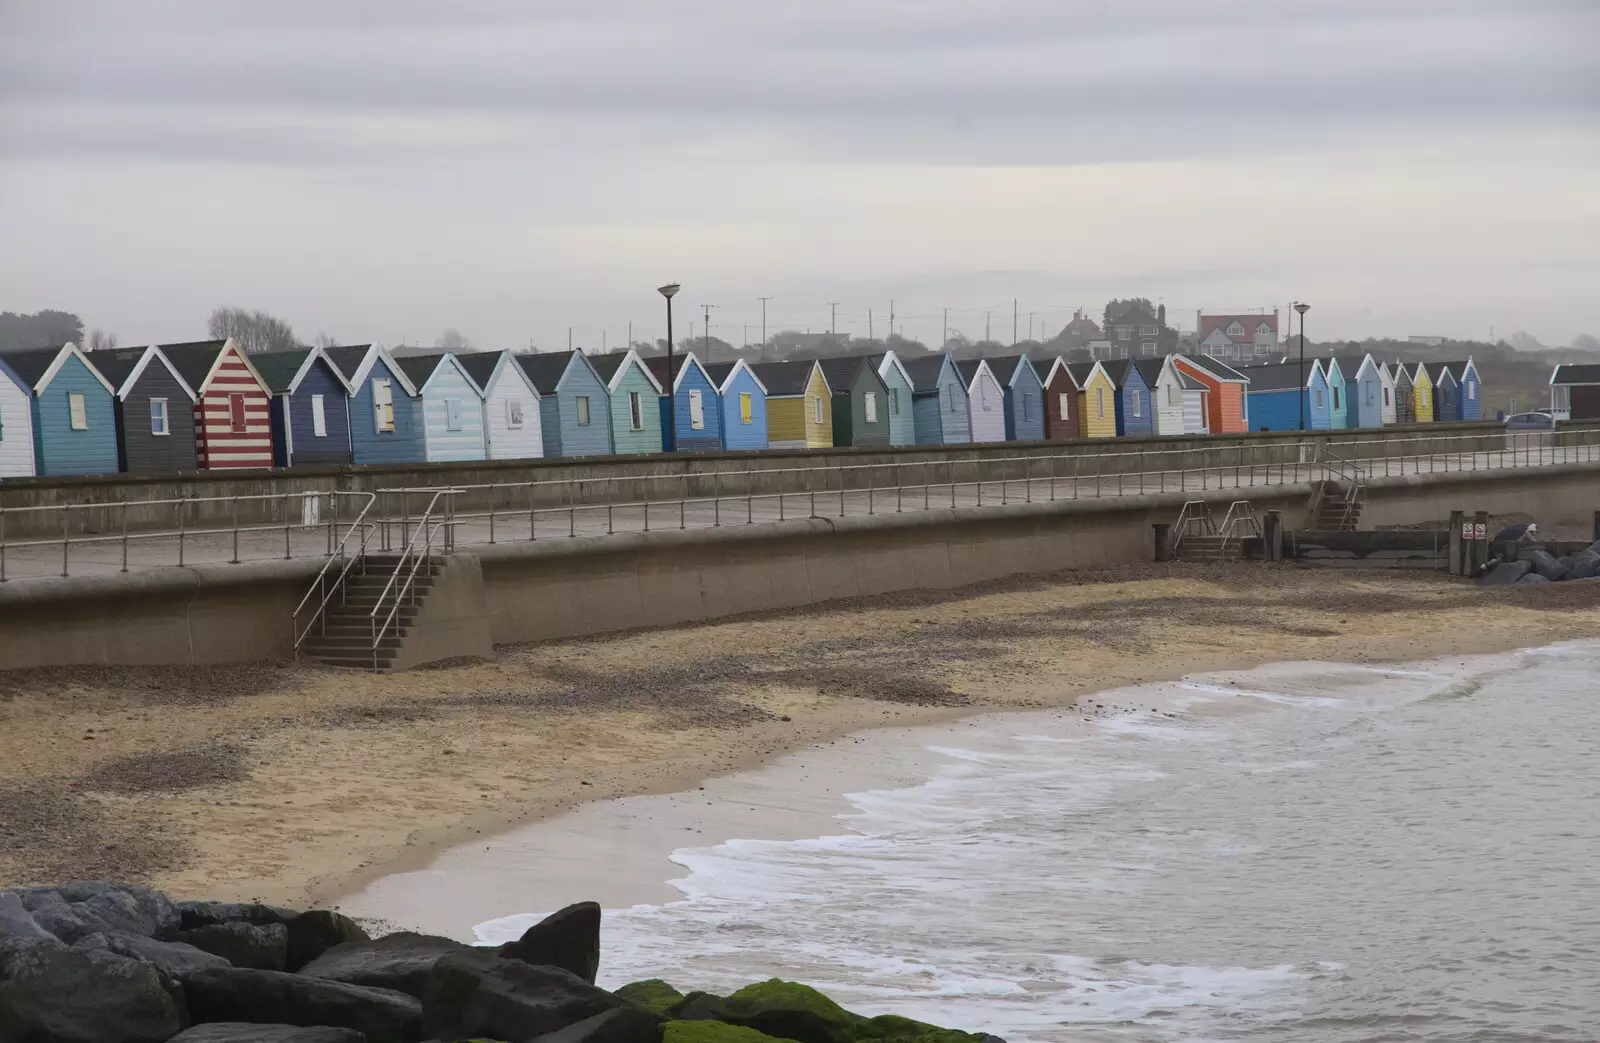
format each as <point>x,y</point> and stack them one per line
<point>295,785</point>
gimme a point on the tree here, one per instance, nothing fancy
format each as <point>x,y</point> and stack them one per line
<point>44,329</point>
<point>1584,342</point>
<point>326,340</point>
<point>1117,307</point>
<point>100,340</point>
<point>453,340</point>
<point>254,331</point>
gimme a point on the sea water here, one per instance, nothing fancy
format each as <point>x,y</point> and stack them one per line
<point>1305,852</point>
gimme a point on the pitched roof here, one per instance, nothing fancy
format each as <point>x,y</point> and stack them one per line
<point>1276,376</point>
<point>1563,374</point>
<point>1437,371</point>
<point>607,365</point>
<point>31,365</point>
<point>1187,382</point>
<point>1080,372</point>
<point>784,378</point>
<point>1004,368</point>
<point>1150,370</point>
<point>1209,324</point>
<point>117,364</point>
<point>418,368</point>
<point>1118,370</point>
<point>924,372</point>
<point>347,358</point>
<point>545,368</point>
<point>1350,365</point>
<point>480,365</point>
<point>841,372</point>
<point>194,360</point>
<point>1216,367</point>
<point>278,368</point>
<point>1458,369</point>
<point>968,368</point>
<point>718,372</point>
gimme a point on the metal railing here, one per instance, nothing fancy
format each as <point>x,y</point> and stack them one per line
<point>1194,520</point>
<point>401,588</point>
<point>1241,515</point>
<point>1353,490</point>
<point>597,506</point>
<point>348,561</point>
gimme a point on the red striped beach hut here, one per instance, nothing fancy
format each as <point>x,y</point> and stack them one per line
<point>233,406</point>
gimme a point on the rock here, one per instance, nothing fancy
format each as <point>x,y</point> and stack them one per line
<point>52,993</point>
<point>243,944</point>
<point>1506,573</point>
<point>194,915</point>
<point>700,1006</point>
<point>241,1032</point>
<point>73,911</point>
<point>653,994</point>
<point>1532,577</point>
<point>174,960</point>
<point>1547,566</point>
<point>479,995</point>
<point>313,933</point>
<point>791,1011</point>
<point>275,998</point>
<point>397,961</point>
<point>620,1025</point>
<point>1585,565</point>
<point>569,939</point>
<point>891,1028</point>
<point>710,1032</point>
<point>17,925</point>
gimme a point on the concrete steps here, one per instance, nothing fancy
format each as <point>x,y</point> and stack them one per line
<point>343,638</point>
<point>1211,548</point>
<point>1331,514</point>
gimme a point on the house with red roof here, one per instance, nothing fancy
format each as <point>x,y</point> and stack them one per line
<point>1237,338</point>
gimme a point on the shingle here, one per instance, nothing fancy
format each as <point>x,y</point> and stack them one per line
<point>194,360</point>
<point>841,372</point>
<point>545,368</point>
<point>1563,375</point>
<point>1004,368</point>
<point>784,378</point>
<point>117,364</point>
<point>1276,377</point>
<point>347,358</point>
<point>924,372</point>
<point>480,365</point>
<point>607,365</point>
<point>418,368</point>
<point>278,368</point>
<point>31,365</point>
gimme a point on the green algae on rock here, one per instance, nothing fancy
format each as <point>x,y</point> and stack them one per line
<point>711,1032</point>
<point>652,994</point>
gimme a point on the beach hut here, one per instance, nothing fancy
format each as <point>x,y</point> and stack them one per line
<point>1169,397</point>
<point>1446,394</point>
<point>71,410</point>
<point>742,399</point>
<point>1061,395</point>
<point>1097,401</point>
<point>939,406</point>
<point>1422,393</point>
<point>695,408</point>
<point>574,406</point>
<point>1365,396</point>
<point>1024,397</point>
<point>1405,398</point>
<point>385,412</point>
<point>860,401</point>
<point>1338,397</point>
<point>16,424</point>
<point>799,404</point>
<point>1575,392</point>
<point>1469,397</point>
<point>233,407</point>
<point>1135,417</point>
<point>310,408</point>
<point>1226,399</point>
<point>635,401</point>
<point>1278,400</point>
<point>902,424</point>
<point>985,398</point>
<point>452,408</point>
<point>154,410</point>
<point>511,426</point>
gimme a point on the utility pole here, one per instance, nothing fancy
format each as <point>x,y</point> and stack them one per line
<point>569,338</point>
<point>1031,314</point>
<point>869,323</point>
<point>986,336</point>
<point>763,301</point>
<point>630,333</point>
<point>946,338</point>
<point>602,340</point>
<point>891,320</point>
<point>707,308</point>
<point>1013,322</point>
<point>833,322</point>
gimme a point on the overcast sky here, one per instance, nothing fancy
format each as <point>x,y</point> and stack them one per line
<point>384,169</point>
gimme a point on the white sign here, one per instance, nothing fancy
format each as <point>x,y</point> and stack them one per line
<point>1481,531</point>
<point>1466,530</point>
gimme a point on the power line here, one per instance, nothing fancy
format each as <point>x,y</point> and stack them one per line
<point>833,323</point>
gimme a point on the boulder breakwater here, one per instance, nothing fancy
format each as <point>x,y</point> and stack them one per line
<point>120,963</point>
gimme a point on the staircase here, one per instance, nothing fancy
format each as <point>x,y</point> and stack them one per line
<point>1336,507</point>
<point>1199,538</point>
<point>344,635</point>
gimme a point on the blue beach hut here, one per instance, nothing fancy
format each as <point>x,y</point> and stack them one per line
<point>939,405</point>
<point>1135,411</point>
<point>310,408</point>
<point>452,408</point>
<point>385,412</point>
<point>1276,396</point>
<point>72,411</point>
<point>743,401</point>
<point>694,404</point>
<point>574,405</point>
<point>1024,397</point>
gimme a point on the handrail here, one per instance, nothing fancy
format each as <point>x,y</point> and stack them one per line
<point>426,527</point>
<point>1194,512</point>
<point>1240,512</point>
<point>321,613</point>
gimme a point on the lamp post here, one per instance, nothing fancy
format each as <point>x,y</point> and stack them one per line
<point>1302,308</point>
<point>670,291</point>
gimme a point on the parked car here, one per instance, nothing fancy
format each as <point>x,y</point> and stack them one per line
<point>1535,421</point>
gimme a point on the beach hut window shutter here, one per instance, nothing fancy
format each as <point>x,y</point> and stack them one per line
<point>79,410</point>
<point>452,414</point>
<point>636,410</point>
<point>1100,403</point>
<point>697,411</point>
<point>744,407</point>
<point>383,405</point>
<point>1064,404</point>
<point>513,412</point>
<point>1138,409</point>
<point>236,414</point>
<point>870,401</point>
<point>319,417</point>
<point>1386,399</point>
<point>894,401</point>
<point>1336,397</point>
<point>983,395</point>
<point>583,410</point>
<point>816,410</point>
<point>1319,398</point>
<point>158,416</point>
<point>1472,390</point>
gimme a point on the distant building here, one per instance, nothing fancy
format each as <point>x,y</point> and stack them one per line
<point>1432,342</point>
<point>1136,332</point>
<point>1080,332</point>
<point>1575,392</point>
<point>1239,339</point>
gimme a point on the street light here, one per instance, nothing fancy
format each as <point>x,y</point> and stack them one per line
<point>670,291</point>
<point>1302,308</point>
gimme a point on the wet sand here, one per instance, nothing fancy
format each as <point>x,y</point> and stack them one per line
<point>294,784</point>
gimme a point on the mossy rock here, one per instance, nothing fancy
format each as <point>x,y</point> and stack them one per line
<point>790,1010</point>
<point>699,1006</point>
<point>892,1028</point>
<point>710,1032</point>
<point>653,994</point>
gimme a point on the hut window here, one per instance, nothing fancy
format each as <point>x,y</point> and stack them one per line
<point>636,410</point>
<point>1472,391</point>
<point>744,407</point>
<point>1336,396</point>
<point>1136,402</point>
<point>158,416</point>
<point>1319,398</point>
<point>1369,395</point>
<point>383,405</point>
<point>236,414</point>
<point>983,395</point>
<point>816,410</point>
<point>1026,415</point>
<point>513,412</point>
<point>1064,405</point>
<point>1100,402</point>
<point>1386,400</point>
<point>452,414</point>
<point>1172,394</point>
<point>697,411</point>
<point>79,410</point>
<point>583,410</point>
<point>869,402</point>
<point>894,401</point>
<point>319,417</point>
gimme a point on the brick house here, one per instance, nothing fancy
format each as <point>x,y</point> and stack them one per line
<point>1238,338</point>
